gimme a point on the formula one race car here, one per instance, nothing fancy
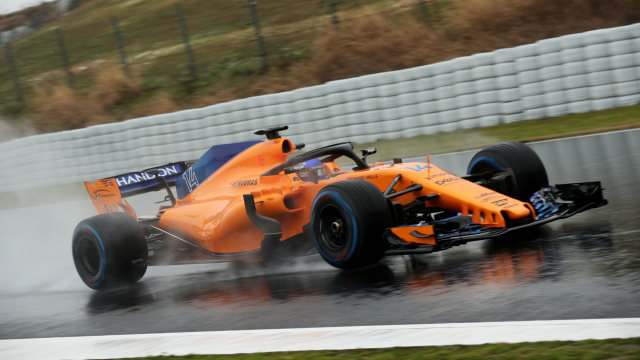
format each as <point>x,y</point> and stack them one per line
<point>248,201</point>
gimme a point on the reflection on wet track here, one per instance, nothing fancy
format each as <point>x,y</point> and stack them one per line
<point>585,267</point>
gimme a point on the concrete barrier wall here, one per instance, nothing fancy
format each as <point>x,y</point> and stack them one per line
<point>576,73</point>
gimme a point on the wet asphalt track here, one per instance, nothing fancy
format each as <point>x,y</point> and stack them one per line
<point>584,267</point>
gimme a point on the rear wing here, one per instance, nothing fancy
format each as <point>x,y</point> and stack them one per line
<point>107,194</point>
<point>139,182</point>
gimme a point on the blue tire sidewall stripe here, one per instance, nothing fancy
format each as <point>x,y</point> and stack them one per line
<point>486,159</point>
<point>336,196</point>
<point>101,272</point>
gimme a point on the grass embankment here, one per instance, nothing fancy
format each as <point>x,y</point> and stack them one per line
<point>303,49</point>
<point>614,349</point>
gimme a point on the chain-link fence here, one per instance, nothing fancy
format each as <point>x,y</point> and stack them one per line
<point>185,42</point>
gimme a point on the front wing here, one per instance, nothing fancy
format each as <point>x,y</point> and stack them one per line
<point>551,203</point>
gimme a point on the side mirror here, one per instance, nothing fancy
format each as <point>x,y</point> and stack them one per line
<point>368,151</point>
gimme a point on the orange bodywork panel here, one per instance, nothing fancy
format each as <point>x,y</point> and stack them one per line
<point>213,214</point>
<point>485,206</point>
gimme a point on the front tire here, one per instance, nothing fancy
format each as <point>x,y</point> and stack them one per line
<point>348,219</point>
<point>528,170</point>
<point>109,250</point>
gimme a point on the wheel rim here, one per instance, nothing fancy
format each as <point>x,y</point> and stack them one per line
<point>334,230</point>
<point>89,254</point>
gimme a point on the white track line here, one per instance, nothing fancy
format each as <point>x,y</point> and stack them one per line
<point>329,338</point>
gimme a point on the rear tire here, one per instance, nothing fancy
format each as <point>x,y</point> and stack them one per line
<point>109,250</point>
<point>348,219</point>
<point>528,170</point>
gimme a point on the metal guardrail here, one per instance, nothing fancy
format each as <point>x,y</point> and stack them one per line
<point>576,73</point>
